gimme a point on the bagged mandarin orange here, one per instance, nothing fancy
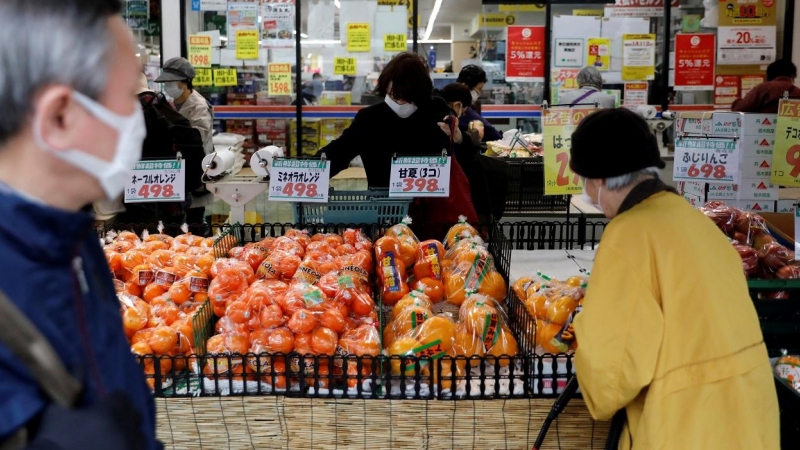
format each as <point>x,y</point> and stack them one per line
<point>459,231</point>
<point>431,287</point>
<point>357,239</point>
<point>429,260</point>
<point>409,244</point>
<point>361,341</point>
<point>391,277</point>
<point>279,265</point>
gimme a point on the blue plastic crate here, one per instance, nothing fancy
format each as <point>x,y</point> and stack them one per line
<point>372,206</point>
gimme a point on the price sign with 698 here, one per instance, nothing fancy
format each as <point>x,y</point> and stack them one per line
<point>157,181</point>
<point>420,176</point>
<point>715,160</point>
<point>294,180</point>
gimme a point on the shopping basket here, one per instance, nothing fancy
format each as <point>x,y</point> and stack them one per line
<point>373,206</point>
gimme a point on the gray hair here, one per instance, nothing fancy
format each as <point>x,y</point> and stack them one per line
<point>49,42</point>
<point>622,181</point>
<point>590,76</point>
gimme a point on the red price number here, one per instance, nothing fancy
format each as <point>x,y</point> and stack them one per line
<point>300,189</point>
<point>200,60</point>
<point>562,179</point>
<point>156,190</point>
<point>279,87</point>
<point>793,158</point>
<point>743,37</point>
<point>420,184</point>
<point>708,171</point>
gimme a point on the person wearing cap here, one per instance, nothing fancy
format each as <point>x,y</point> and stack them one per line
<point>177,75</point>
<point>589,82</point>
<point>667,334</point>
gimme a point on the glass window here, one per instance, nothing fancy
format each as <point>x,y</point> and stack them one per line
<point>144,19</point>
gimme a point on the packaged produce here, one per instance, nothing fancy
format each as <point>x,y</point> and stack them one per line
<point>459,231</point>
<point>787,368</point>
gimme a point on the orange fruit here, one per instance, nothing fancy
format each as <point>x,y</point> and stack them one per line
<point>454,289</point>
<point>467,345</point>
<point>410,319</point>
<point>560,309</point>
<point>163,340</point>
<point>458,232</point>
<point>430,256</point>
<point>133,288</point>
<point>438,328</point>
<point>505,345</point>
<point>479,317</point>
<point>494,286</point>
<point>388,336</point>
<point>281,340</point>
<point>302,343</point>
<point>303,321</point>
<point>519,287</point>
<point>152,291</point>
<point>135,318</point>
<point>537,306</point>
<point>271,316</point>
<point>402,347</point>
<point>431,287</point>
<point>412,299</point>
<point>323,341</point>
<point>179,292</point>
<point>547,337</point>
<point>333,319</point>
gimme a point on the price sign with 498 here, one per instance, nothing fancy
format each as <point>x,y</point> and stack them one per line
<point>420,176</point>
<point>299,180</point>
<point>715,160</point>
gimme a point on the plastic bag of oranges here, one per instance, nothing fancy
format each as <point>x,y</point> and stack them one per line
<point>408,242</point>
<point>483,330</point>
<point>459,231</point>
<point>474,274</point>
<point>391,271</point>
<point>553,304</point>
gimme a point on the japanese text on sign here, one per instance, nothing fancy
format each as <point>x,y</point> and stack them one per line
<point>525,53</point>
<point>746,45</point>
<point>203,77</point>
<point>225,77</point>
<point>715,160</point>
<point>247,44</point>
<point>277,23</point>
<point>294,180</point>
<point>279,79</point>
<point>599,53</point>
<point>200,50</point>
<point>394,42</point>
<point>359,37</point>
<point>638,57</point>
<point>344,66</point>
<point>694,59</point>
<point>156,181</point>
<point>420,176</point>
<point>568,53</point>
<point>786,156</point>
<point>559,123</point>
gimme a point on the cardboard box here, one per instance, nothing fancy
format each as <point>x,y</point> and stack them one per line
<point>241,99</point>
<point>692,187</point>
<point>786,206</point>
<point>757,189</point>
<point>336,98</point>
<point>694,200</point>
<point>755,167</point>
<point>781,225</point>
<point>756,206</point>
<point>727,124</point>
<point>722,191</point>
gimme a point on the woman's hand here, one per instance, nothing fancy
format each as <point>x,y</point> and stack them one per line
<point>457,137</point>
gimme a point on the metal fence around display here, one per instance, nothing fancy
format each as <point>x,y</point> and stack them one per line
<point>554,235</point>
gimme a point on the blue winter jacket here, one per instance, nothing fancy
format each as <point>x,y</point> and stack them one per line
<point>53,269</point>
<point>490,133</point>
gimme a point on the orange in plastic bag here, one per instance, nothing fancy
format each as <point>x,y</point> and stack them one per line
<point>459,231</point>
<point>432,288</point>
<point>392,279</point>
<point>429,260</point>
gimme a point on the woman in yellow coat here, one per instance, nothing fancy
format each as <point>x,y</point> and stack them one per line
<point>668,330</point>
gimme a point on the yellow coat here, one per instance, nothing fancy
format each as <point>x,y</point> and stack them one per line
<point>669,332</point>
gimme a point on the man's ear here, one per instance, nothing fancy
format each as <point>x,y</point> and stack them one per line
<point>57,116</point>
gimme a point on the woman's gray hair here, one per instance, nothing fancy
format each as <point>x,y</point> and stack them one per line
<point>48,42</point>
<point>590,76</point>
<point>622,181</point>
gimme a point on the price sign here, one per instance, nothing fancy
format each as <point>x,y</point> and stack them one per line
<point>344,66</point>
<point>714,160</point>
<point>394,42</point>
<point>294,180</point>
<point>280,79</point>
<point>200,50</point>
<point>225,77</point>
<point>247,44</point>
<point>203,77</point>
<point>420,176</point>
<point>559,123</point>
<point>786,156</point>
<point>359,38</point>
<point>746,45</point>
<point>157,181</point>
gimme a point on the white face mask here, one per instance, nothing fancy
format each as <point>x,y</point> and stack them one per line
<point>403,110</point>
<point>588,200</point>
<point>474,95</point>
<point>173,90</point>
<point>112,175</point>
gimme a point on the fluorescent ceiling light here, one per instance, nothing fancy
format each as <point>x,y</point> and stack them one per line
<point>436,7</point>
<point>337,3</point>
<point>322,42</point>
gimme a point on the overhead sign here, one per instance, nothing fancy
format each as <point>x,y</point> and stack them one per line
<point>747,12</point>
<point>359,38</point>
<point>639,8</point>
<point>525,53</point>
<point>746,45</point>
<point>568,53</point>
<point>420,176</point>
<point>694,62</point>
<point>599,53</point>
<point>638,57</point>
<point>241,16</point>
<point>157,181</point>
<point>786,156</point>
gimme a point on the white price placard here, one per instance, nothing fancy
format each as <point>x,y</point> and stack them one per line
<point>746,45</point>
<point>296,180</point>
<point>420,176</point>
<point>157,181</point>
<point>714,160</point>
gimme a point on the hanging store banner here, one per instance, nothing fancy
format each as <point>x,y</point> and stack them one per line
<point>638,57</point>
<point>241,16</point>
<point>599,53</point>
<point>359,37</point>
<point>726,90</point>
<point>694,62</point>
<point>786,156</point>
<point>525,54</point>
<point>747,32</point>
<point>200,50</point>
<point>558,125</point>
<point>277,23</point>
<point>639,8</point>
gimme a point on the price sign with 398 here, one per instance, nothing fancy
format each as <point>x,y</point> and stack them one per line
<point>420,176</point>
<point>293,180</point>
<point>715,160</point>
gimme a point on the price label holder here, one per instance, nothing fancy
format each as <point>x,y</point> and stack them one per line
<point>420,176</point>
<point>300,180</point>
<point>157,181</point>
<point>712,159</point>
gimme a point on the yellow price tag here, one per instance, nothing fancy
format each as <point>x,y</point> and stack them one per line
<point>279,79</point>
<point>200,50</point>
<point>786,156</point>
<point>359,37</point>
<point>394,43</point>
<point>247,44</point>
<point>225,77</point>
<point>344,66</point>
<point>599,53</point>
<point>203,77</point>
<point>638,57</point>
<point>558,125</point>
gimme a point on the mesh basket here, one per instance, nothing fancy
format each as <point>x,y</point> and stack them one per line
<point>526,189</point>
<point>370,206</point>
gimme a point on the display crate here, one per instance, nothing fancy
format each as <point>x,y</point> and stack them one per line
<point>370,206</point>
<point>780,318</point>
<point>554,235</point>
<point>526,189</point>
<point>789,404</point>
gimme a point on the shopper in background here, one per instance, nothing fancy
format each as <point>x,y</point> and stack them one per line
<point>68,137</point>
<point>764,98</point>
<point>668,331</point>
<point>474,78</point>
<point>589,82</point>
<point>177,75</point>
<point>409,122</point>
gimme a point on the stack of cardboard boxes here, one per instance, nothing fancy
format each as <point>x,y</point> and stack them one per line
<point>756,135</point>
<point>272,132</point>
<point>310,134</point>
<point>331,129</point>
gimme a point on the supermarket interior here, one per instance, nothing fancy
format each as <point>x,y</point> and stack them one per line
<point>367,224</point>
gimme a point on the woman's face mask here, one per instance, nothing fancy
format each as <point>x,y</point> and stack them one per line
<point>402,111</point>
<point>588,200</point>
<point>173,90</point>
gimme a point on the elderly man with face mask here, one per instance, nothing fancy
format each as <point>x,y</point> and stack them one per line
<point>68,137</point>
<point>668,332</point>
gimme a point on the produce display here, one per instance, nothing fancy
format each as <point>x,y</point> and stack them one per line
<point>787,368</point>
<point>516,145</point>
<point>762,256</point>
<point>553,304</point>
